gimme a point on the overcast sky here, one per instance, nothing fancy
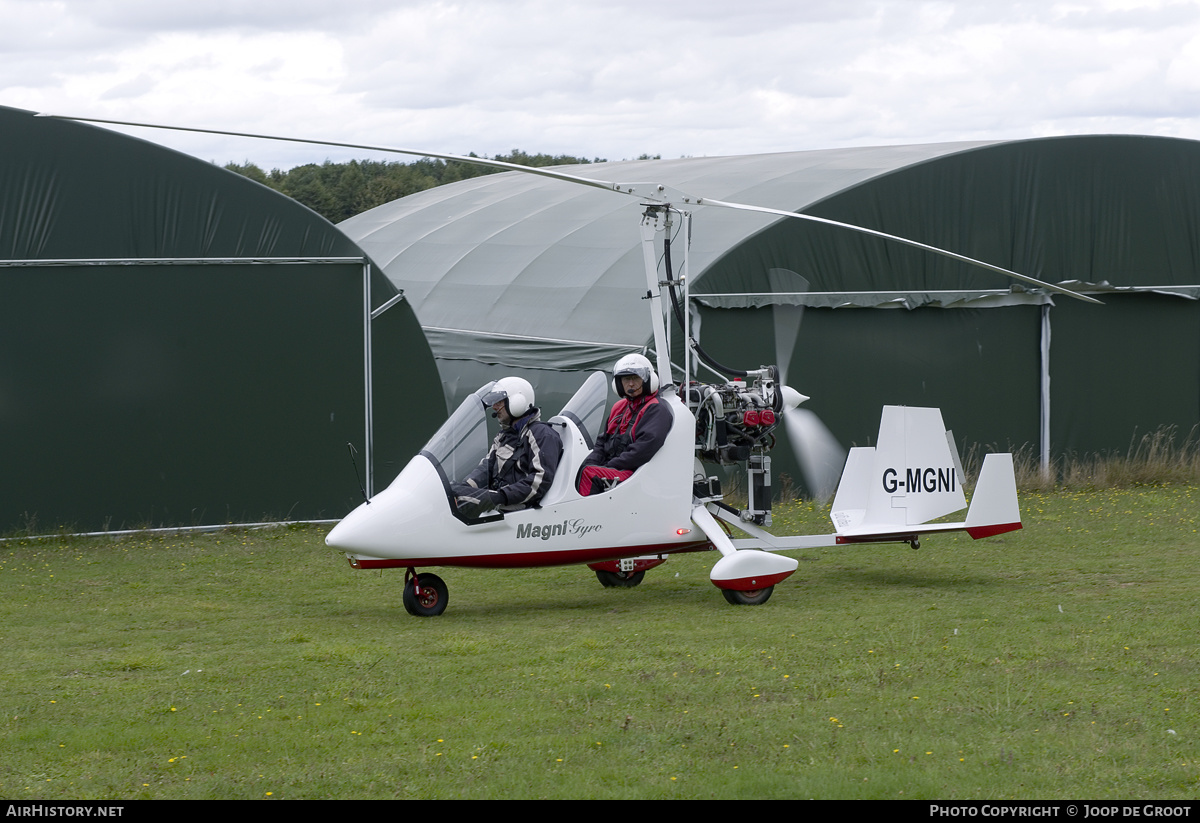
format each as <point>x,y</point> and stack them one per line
<point>605,78</point>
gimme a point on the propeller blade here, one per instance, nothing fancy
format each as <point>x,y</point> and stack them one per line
<point>652,192</point>
<point>786,318</point>
<point>818,452</point>
<point>820,455</point>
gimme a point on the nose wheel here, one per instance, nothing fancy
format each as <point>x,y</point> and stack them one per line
<point>751,597</point>
<point>425,595</point>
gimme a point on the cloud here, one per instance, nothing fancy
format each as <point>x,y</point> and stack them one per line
<point>614,79</point>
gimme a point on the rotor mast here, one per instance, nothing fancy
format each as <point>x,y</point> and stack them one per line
<point>657,217</point>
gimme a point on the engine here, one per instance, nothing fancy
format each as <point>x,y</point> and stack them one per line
<point>735,424</point>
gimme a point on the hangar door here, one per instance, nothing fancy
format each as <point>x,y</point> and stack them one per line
<point>147,393</point>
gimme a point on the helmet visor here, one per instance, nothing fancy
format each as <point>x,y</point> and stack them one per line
<point>495,396</point>
<point>634,371</point>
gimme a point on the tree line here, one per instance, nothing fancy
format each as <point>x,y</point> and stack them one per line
<point>338,191</point>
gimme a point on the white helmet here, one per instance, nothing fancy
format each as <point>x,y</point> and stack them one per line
<point>516,390</point>
<point>638,366</point>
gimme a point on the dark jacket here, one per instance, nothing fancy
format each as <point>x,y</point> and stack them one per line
<point>520,463</point>
<point>635,432</point>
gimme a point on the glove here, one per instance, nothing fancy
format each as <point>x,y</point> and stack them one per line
<point>477,501</point>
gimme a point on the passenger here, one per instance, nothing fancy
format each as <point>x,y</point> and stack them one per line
<point>637,427</point>
<point>520,465</point>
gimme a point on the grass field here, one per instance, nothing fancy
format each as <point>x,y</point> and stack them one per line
<point>1056,662</point>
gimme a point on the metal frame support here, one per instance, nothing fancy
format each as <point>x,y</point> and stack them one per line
<point>1044,406</point>
<point>368,385</point>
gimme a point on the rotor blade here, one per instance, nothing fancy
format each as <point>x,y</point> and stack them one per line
<point>653,192</point>
<point>962,258</point>
<point>478,161</point>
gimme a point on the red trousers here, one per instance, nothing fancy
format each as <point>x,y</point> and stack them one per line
<point>591,473</point>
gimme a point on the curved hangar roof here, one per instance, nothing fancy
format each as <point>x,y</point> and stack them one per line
<point>535,258</point>
<point>495,264</point>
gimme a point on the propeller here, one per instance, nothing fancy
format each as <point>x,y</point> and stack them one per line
<point>646,192</point>
<point>818,452</point>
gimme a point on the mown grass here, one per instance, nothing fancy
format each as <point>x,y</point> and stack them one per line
<point>1055,662</point>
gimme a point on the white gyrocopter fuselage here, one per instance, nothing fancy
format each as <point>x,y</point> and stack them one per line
<point>887,494</point>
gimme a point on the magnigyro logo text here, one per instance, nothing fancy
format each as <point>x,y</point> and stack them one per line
<point>578,528</point>
<point>920,480</point>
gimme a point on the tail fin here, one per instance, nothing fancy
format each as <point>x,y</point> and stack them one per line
<point>892,491</point>
<point>909,478</point>
<point>994,508</point>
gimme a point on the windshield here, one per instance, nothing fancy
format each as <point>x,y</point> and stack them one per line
<point>586,408</point>
<point>462,441</point>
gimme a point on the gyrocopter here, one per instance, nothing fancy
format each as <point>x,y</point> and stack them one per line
<point>887,493</point>
<point>673,504</point>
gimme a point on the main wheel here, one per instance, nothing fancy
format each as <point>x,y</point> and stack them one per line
<point>751,597</point>
<point>432,600</point>
<point>622,580</point>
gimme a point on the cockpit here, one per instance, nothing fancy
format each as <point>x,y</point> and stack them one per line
<point>463,440</point>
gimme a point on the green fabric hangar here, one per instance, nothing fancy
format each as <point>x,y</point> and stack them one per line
<point>517,274</point>
<point>182,346</point>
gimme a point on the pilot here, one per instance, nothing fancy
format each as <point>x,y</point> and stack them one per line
<point>520,465</point>
<point>637,427</point>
